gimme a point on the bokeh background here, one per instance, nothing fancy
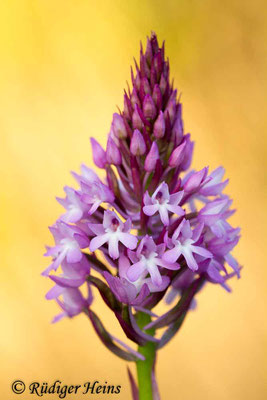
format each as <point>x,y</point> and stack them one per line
<point>63,67</point>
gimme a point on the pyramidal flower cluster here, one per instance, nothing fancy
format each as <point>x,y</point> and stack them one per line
<point>153,229</point>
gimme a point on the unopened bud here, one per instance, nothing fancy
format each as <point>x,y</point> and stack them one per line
<point>138,146</point>
<point>118,126</point>
<point>188,153</point>
<point>113,153</point>
<point>149,108</point>
<point>99,154</point>
<point>157,96</point>
<point>159,126</point>
<point>151,158</point>
<point>177,155</point>
<point>136,119</point>
<point>149,51</point>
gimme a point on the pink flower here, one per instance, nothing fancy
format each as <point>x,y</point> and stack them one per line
<point>94,194</point>
<point>74,205</point>
<point>214,215</point>
<point>183,243</point>
<point>163,202</point>
<point>69,241</point>
<point>148,259</point>
<point>129,292</point>
<point>112,231</point>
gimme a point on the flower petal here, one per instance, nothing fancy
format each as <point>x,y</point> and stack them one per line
<point>129,240</point>
<point>191,262</point>
<point>201,251</point>
<point>74,255</point>
<point>151,209</point>
<point>113,247</point>
<point>164,216</point>
<point>155,275</point>
<point>172,255</point>
<point>136,270</point>
<point>98,241</point>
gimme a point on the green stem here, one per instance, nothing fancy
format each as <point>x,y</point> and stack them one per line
<point>144,368</point>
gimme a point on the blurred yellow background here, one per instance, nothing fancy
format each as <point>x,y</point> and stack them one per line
<point>63,68</point>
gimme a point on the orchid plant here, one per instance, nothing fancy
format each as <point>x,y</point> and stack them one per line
<point>154,230</point>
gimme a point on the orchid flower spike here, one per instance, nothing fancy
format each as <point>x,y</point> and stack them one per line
<point>148,228</point>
